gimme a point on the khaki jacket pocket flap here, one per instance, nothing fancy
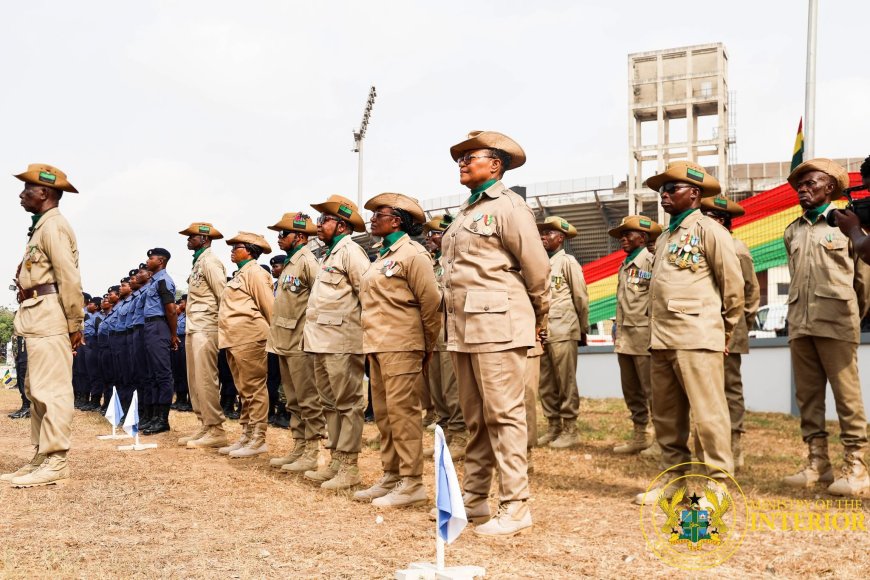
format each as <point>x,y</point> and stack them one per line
<point>329,319</point>
<point>199,307</point>
<point>331,278</point>
<point>403,368</point>
<point>835,244</point>
<point>291,322</point>
<point>487,301</point>
<point>684,306</point>
<point>838,292</point>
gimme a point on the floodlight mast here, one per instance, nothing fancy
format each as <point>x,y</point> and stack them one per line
<point>358,137</point>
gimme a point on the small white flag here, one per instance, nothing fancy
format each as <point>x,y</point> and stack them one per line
<point>131,422</point>
<point>114,412</point>
<point>448,494</point>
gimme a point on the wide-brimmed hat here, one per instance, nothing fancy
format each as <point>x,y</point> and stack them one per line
<point>202,229</point>
<point>250,238</point>
<point>398,201</point>
<point>491,140</point>
<point>832,168</point>
<point>344,208</point>
<point>44,174</point>
<point>688,172</point>
<point>557,224</point>
<point>295,222</point>
<point>438,223</point>
<point>722,204</point>
<point>636,223</point>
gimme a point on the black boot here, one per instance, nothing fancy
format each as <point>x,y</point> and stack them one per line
<point>161,421</point>
<point>95,403</point>
<point>22,413</point>
<point>78,401</point>
<point>146,417</point>
<point>282,417</point>
<point>235,412</point>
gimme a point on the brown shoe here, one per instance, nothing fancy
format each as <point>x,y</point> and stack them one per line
<point>295,453</point>
<point>243,440</point>
<point>640,441</point>
<point>256,445</point>
<point>34,464</point>
<point>347,475</point>
<point>457,441</point>
<point>554,427</point>
<point>568,438</point>
<point>381,487</point>
<point>326,472</point>
<point>308,460</point>
<point>818,468</point>
<point>661,490</point>
<point>409,491</point>
<point>215,437</point>
<point>737,450</point>
<point>53,471</point>
<point>182,441</point>
<point>854,479</point>
<point>512,518</point>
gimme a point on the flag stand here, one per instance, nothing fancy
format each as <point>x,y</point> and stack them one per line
<point>114,435</point>
<point>136,446</point>
<point>113,416</point>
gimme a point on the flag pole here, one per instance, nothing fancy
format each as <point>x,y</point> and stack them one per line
<point>439,541</point>
<point>810,101</point>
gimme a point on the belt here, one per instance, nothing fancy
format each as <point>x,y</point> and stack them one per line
<point>136,327</point>
<point>153,318</point>
<point>39,290</point>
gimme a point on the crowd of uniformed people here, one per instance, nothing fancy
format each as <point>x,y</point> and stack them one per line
<point>471,327</point>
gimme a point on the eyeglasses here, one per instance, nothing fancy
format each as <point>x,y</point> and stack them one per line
<point>325,218</point>
<point>238,247</point>
<point>284,233</point>
<point>434,233</point>
<point>671,187</point>
<point>380,214</point>
<point>466,159</point>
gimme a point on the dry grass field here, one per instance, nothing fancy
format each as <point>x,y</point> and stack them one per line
<point>178,513</point>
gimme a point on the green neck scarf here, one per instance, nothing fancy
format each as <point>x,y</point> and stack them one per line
<point>478,191</point>
<point>35,217</point>
<point>389,240</point>
<point>197,254</point>
<point>811,214</point>
<point>438,255</point>
<point>334,243</point>
<point>678,219</point>
<point>553,253</point>
<point>632,255</point>
<point>243,262</point>
<point>293,252</point>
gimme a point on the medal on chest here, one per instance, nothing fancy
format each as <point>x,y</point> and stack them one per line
<point>483,222</point>
<point>685,253</point>
<point>829,241</point>
<point>388,268</point>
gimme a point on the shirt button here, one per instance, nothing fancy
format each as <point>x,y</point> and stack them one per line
<point>449,311</point>
<point>450,261</point>
<point>453,235</point>
<point>486,308</point>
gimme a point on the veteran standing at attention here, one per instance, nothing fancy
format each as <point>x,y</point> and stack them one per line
<point>243,326</point>
<point>632,325</point>
<point>400,321</point>
<point>333,333</point>
<point>496,300</point>
<point>50,319</point>
<point>296,366</point>
<point>695,303</point>
<point>828,296</point>
<point>567,326</point>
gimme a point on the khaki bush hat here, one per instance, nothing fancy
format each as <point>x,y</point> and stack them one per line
<point>835,170</point>
<point>44,174</point>
<point>557,224</point>
<point>399,201</point>
<point>249,238</point>
<point>490,140</point>
<point>202,229</point>
<point>688,172</point>
<point>636,223</point>
<point>438,223</point>
<point>723,204</point>
<point>344,208</point>
<point>295,222</point>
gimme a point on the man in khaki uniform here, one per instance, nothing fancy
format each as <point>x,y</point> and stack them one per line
<point>827,298</point>
<point>496,301</point>
<point>442,380</point>
<point>568,324</point>
<point>632,325</point>
<point>205,287</point>
<point>333,333</point>
<point>50,318</point>
<point>243,326</point>
<point>296,366</point>
<point>695,303</point>
<point>723,210</point>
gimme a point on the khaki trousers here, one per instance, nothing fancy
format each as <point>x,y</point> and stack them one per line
<point>531,379</point>
<point>816,361</point>
<point>397,380</point>
<point>636,390</point>
<point>684,380</point>
<point>734,392</point>
<point>202,377</point>
<point>444,391</point>
<point>248,365</point>
<point>560,396</point>
<point>48,385</point>
<point>339,380</point>
<point>493,404</point>
<point>302,401</point>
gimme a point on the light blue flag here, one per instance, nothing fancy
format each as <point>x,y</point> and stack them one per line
<point>448,494</point>
<point>131,422</point>
<point>114,412</point>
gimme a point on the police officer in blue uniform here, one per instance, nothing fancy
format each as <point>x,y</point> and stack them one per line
<point>104,353</point>
<point>160,335</point>
<point>139,375</point>
<point>178,358</point>
<point>120,352</point>
<point>81,387</point>
<point>92,355</point>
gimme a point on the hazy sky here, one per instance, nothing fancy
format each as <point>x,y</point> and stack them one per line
<point>162,113</point>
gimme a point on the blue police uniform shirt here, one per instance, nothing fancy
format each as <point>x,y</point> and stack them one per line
<point>106,325</point>
<point>124,314</point>
<point>182,324</point>
<point>153,306</point>
<point>90,319</point>
<point>137,308</point>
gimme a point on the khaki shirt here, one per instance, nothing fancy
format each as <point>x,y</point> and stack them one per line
<point>632,305</point>
<point>400,300</point>
<point>438,268</point>
<point>740,339</point>
<point>828,292</point>
<point>332,320</point>
<point>246,307</point>
<point>697,307</point>
<point>50,257</point>
<point>205,287</point>
<point>291,300</point>
<point>497,273</point>
<point>569,300</point>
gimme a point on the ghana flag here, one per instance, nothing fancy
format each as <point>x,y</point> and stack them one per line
<point>797,155</point>
<point>767,215</point>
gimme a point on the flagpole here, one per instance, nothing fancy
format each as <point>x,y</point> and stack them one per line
<point>810,102</point>
<point>439,541</point>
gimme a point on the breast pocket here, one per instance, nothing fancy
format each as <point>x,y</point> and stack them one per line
<point>685,306</point>
<point>834,303</point>
<point>487,317</point>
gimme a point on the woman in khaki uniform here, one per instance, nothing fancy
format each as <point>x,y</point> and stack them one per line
<point>243,326</point>
<point>400,300</point>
